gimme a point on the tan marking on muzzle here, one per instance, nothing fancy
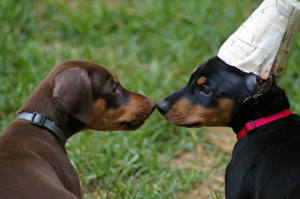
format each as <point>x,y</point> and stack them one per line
<point>136,110</point>
<point>183,112</point>
<point>115,80</point>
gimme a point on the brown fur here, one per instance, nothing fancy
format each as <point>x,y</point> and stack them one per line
<point>110,119</point>
<point>116,80</point>
<point>33,164</point>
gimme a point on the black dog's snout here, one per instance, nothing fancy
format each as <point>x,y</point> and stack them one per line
<point>163,107</point>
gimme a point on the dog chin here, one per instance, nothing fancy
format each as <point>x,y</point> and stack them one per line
<point>190,125</point>
<point>132,125</point>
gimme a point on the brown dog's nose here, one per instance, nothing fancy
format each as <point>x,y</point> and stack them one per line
<point>152,104</point>
<point>163,107</point>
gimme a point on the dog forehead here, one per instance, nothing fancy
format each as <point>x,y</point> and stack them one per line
<point>217,70</point>
<point>209,67</point>
<point>202,74</point>
<point>222,79</point>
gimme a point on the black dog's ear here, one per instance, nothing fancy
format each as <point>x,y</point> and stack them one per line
<point>251,83</point>
<point>73,90</point>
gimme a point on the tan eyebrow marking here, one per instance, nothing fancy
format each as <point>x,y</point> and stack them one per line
<point>115,80</point>
<point>194,71</point>
<point>201,80</point>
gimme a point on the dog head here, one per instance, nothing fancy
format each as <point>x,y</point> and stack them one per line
<point>90,94</point>
<point>210,95</point>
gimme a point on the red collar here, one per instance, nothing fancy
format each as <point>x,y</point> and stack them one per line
<point>251,125</point>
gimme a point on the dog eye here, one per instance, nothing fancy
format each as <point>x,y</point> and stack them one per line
<point>204,90</point>
<point>115,90</point>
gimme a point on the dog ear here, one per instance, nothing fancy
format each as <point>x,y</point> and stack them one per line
<point>73,90</point>
<point>251,83</point>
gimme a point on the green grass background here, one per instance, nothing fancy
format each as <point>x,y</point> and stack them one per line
<point>151,46</point>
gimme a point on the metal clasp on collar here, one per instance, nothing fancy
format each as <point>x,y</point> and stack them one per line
<point>249,130</point>
<point>253,125</point>
<point>38,119</point>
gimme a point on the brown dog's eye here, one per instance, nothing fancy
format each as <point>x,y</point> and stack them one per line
<point>115,90</point>
<point>204,90</point>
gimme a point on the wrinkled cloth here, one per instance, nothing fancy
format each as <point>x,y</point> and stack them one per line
<point>262,44</point>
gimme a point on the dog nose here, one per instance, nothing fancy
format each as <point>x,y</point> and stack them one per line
<point>152,104</point>
<point>163,107</point>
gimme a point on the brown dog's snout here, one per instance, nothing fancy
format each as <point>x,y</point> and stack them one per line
<point>151,103</point>
<point>145,106</point>
<point>140,108</point>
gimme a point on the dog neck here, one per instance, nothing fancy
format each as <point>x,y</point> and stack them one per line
<point>271,102</point>
<point>41,101</point>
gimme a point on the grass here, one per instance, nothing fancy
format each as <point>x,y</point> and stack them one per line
<point>152,46</point>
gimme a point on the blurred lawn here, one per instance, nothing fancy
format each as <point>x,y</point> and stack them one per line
<point>152,46</point>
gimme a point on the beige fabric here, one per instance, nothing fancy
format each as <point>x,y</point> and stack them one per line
<point>263,42</point>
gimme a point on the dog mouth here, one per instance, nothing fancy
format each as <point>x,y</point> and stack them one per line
<point>135,124</point>
<point>181,119</point>
<point>181,122</point>
<point>132,125</point>
<point>192,125</point>
<point>141,116</point>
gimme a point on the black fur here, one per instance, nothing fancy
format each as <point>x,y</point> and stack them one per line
<point>224,81</point>
<point>266,163</point>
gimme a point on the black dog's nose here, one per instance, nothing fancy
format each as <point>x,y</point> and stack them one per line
<point>163,107</point>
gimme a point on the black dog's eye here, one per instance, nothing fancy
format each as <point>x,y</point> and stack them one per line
<point>204,90</point>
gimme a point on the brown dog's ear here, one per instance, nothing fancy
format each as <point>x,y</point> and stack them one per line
<point>73,90</point>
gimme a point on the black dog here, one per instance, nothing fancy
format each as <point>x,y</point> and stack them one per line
<point>266,160</point>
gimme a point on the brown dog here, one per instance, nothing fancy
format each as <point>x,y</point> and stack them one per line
<point>76,95</point>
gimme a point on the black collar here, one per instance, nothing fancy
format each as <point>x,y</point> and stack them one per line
<point>41,120</point>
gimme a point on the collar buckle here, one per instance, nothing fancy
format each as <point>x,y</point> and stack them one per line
<point>250,127</point>
<point>38,119</point>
